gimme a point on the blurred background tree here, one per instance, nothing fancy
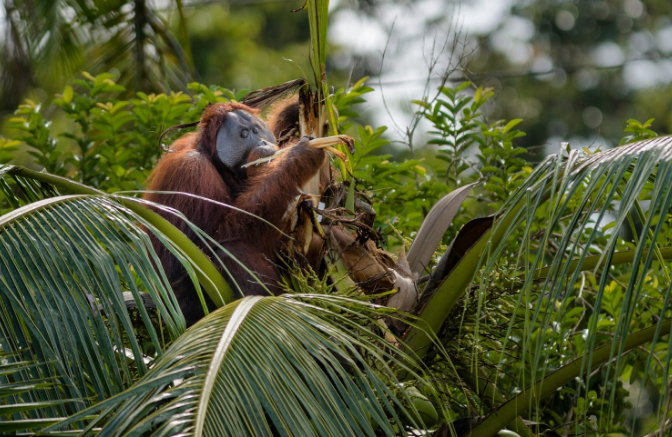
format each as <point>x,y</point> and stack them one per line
<point>47,41</point>
<point>152,46</point>
<point>584,67</point>
<point>574,68</point>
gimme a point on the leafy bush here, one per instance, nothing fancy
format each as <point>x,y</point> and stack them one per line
<point>116,144</point>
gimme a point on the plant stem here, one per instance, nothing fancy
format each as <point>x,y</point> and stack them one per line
<point>590,262</point>
<point>548,385</point>
<point>488,392</point>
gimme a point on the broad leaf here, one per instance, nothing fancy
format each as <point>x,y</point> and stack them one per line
<point>434,227</point>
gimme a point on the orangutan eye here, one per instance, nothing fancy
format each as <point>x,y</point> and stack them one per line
<point>255,130</point>
<point>244,133</point>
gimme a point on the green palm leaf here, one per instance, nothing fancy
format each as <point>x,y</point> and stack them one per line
<point>68,266</point>
<point>576,194</point>
<point>558,181</point>
<point>64,263</point>
<point>266,366</point>
<point>40,185</point>
<point>27,403</point>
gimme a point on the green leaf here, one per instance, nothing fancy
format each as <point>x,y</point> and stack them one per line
<point>64,251</point>
<point>68,94</point>
<point>511,124</point>
<point>422,103</point>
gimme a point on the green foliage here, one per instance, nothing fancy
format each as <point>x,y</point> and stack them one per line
<point>24,397</point>
<point>456,123</point>
<point>398,201</point>
<point>7,149</point>
<point>34,131</point>
<point>640,131</point>
<point>116,143</point>
<point>52,40</point>
<point>344,99</point>
<point>469,149</point>
<point>521,347</point>
<point>459,127</point>
<point>330,376</point>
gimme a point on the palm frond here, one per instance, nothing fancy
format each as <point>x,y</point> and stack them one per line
<point>68,264</point>
<point>42,43</point>
<point>265,366</point>
<point>27,401</point>
<point>39,185</point>
<point>267,96</point>
<point>576,194</point>
<point>595,180</point>
<point>60,260</point>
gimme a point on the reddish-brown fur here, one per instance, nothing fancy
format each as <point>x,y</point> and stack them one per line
<point>192,167</point>
<point>284,121</point>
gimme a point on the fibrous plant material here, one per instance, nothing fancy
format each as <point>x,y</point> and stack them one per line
<point>326,143</point>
